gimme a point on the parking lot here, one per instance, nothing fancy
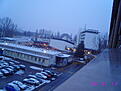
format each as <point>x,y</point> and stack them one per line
<point>29,70</point>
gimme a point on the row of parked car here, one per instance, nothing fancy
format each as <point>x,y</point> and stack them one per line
<point>9,67</point>
<point>32,81</point>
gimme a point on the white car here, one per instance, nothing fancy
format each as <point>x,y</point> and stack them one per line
<point>11,63</point>
<point>40,75</point>
<point>33,76</point>
<point>31,81</point>
<point>20,85</point>
<point>5,72</point>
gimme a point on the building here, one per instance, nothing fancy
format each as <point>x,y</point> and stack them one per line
<point>115,26</point>
<point>34,55</point>
<point>16,40</point>
<point>90,38</point>
<point>60,44</point>
<point>63,60</point>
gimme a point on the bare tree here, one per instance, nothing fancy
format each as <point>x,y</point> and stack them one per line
<point>7,27</point>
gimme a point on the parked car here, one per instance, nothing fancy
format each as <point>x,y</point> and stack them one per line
<point>33,76</point>
<point>40,75</point>
<point>46,74</point>
<point>51,73</point>
<point>4,64</point>
<point>31,81</point>
<point>1,58</point>
<point>1,74</point>
<point>22,67</point>
<point>1,67</point>
<point>12,87</point>
<point>7,60</point>
<point>13,68</point>
<point>11,63</point>
<point>17,67</point>
<point>20,85</point>
<point>11,71</point>
<point>5,72</point>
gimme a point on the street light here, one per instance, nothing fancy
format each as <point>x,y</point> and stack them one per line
<point>88,52</point>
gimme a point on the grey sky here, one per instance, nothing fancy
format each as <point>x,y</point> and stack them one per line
<point>58,15</point>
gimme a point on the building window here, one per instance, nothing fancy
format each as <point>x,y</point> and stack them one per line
<point>37,59</point>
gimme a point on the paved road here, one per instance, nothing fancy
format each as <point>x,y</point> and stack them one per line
<point>65,73</point>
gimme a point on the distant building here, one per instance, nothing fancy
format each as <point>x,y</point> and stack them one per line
<point>16,40</point>
<point>60,44</point>
<point>34,55</point>
<point>90,38</point>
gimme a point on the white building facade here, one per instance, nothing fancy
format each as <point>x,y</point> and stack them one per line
<point>59,44</point>
<point>90,38</point>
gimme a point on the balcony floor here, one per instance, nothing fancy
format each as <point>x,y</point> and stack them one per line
<point>101,74</point>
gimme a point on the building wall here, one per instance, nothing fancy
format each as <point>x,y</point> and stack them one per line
<point>29,58</point>
<point>60,44</point>
<point>91,40</point>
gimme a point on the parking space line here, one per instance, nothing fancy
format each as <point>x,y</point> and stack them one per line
<point>60,74</point>
<point>70,72</point>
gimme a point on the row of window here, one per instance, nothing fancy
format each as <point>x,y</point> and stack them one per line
<point>26,57</point>
<point>39,53</point>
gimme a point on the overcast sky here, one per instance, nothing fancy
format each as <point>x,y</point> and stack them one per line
<point>58,15</point>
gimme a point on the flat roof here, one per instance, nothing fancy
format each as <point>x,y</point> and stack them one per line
<point>101,74</point>
<point>90,31</point>
<point>51,52</point>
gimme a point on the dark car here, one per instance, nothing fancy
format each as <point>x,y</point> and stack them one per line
<point>51,73</point>
<point>1,58</point>
<point>12,87</point>
<point>22,67</point>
